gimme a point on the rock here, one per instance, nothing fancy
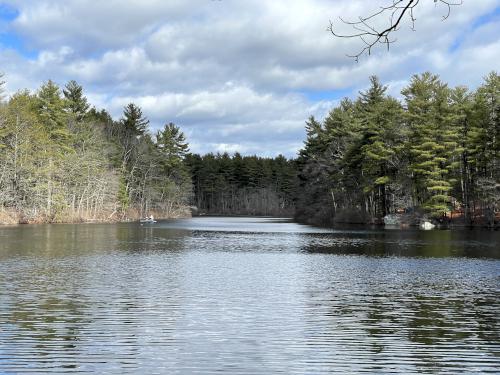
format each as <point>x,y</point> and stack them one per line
<point>426,225</point>
<point>392,219</point>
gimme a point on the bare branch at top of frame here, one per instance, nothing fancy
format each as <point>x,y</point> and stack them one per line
<point>371,36</point>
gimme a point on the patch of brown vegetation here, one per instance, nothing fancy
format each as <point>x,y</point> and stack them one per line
<point>11,217</point>
<point>8,217</point>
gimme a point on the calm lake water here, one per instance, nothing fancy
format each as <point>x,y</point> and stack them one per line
<point>247,296</point>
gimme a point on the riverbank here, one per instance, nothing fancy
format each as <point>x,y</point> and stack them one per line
<point>13,217</point>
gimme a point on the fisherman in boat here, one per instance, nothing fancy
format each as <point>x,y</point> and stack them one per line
<point>148,219</point>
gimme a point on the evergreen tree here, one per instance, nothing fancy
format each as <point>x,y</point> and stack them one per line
<point>172,143</point>
<point>461,111</point>
<point>76,102</point>
<point>438,152</point>
<point>237,184</point>
<point>172,149</point>
<point>379,126</point>
<point>484,147</point>
<point>51,112</point>
<point>133,121</point>
<point>101,117</point>
<point>314,143</point>
<point>433,142</point>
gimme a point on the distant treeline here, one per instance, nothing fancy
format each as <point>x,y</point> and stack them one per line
<point>434,153</point>
<point>242,185</point>
<point>61,160</point>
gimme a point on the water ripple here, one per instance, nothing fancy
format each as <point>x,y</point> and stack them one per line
<point>126,299</point>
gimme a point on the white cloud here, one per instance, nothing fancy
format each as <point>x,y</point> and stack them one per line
<point>232,72</point>
<point>235,116</point>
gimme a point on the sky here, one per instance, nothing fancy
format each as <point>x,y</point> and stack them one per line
<point>236,76</point>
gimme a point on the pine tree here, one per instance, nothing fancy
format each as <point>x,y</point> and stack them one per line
<point>314,143</point>
<point>379,119</point>
<point>76,102</point>
<point>133,121</point>
<point>433,142</point>
<point>172,148</point>
<point>171,142</point>
<point>461,111</point>
<point>52,114</point>
<point>484,146</point>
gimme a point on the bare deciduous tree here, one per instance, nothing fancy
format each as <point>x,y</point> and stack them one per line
<point>372,35</point>
<point>2,90</point>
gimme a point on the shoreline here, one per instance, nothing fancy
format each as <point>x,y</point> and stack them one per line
<point>185,215</point>
<point>402,226</point>
<point>14,218</point>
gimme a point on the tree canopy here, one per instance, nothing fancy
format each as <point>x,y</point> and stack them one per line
<point>436,152</point>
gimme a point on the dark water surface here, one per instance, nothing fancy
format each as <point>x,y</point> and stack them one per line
<point>247,296</point>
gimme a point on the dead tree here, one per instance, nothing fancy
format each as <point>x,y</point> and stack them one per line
<point>371,35</point>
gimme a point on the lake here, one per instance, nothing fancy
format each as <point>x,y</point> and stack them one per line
<point>247,296</point>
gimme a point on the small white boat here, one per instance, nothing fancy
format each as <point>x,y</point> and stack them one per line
<point>427,225</point>
<point>148,220</point>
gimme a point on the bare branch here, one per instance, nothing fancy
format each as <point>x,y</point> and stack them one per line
<point>371,36</point>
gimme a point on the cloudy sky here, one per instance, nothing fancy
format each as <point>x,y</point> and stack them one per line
<point>234,75</point>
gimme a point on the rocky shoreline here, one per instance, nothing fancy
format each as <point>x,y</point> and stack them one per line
<point>401,220</point>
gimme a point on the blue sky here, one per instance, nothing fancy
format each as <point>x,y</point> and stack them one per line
<point>236,76</point>
<point>9,39</point>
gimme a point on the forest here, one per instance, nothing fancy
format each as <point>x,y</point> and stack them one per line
<point>433,153</point>
<point>63,161</point>
<point>243,185</point>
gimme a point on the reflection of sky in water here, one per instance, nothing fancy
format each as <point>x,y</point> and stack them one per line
<point>288,299</point>
<point>274,234</point>
<point>242,224</point>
